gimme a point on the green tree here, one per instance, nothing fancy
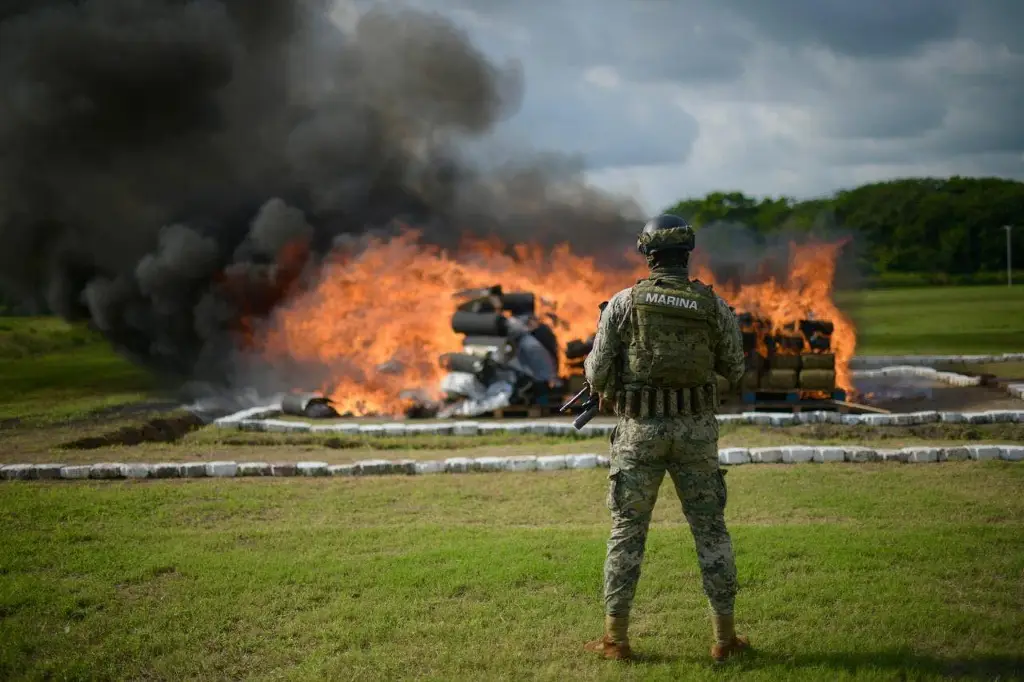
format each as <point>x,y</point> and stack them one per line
<point>945,227</point>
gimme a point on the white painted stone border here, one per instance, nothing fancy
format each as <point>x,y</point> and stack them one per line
<point>785,454</point>
<point>878,361</point>
<point>565,428</point>
<point>951,378</point>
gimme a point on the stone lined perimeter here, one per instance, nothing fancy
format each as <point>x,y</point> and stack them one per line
<point>879,361</point>
<point>790,454</point>
<point>261,419</point>
<point>952,378</point>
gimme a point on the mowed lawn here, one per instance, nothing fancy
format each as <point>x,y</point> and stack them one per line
<point>848,572</point>
<point>51,371</point>
<point>937,320</point>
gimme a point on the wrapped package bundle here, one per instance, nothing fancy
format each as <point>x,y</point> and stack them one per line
<point>819,361</point>
<point>818,379</point>
<point>780,380</point>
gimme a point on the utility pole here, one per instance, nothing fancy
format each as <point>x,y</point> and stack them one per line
<point>1009,257</point>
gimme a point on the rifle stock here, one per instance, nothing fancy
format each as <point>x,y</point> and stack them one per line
<point>590,407</point>
<point>591,412</point>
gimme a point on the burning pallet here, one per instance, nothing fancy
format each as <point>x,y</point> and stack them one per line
<point>790,367</point>
<point>788,363</point>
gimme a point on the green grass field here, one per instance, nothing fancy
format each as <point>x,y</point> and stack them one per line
<point>938,320</point>
<point>53,371</point>
<point>848,572</point>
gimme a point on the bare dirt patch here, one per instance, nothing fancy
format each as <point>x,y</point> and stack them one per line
<point>159,430</point>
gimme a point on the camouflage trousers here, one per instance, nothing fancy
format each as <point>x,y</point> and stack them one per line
<point>642,451</point>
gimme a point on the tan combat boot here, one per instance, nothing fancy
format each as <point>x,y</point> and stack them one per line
<point>727,642</point>
<point>615,643</point>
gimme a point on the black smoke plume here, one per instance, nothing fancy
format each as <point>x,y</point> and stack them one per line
<point>157,155</point>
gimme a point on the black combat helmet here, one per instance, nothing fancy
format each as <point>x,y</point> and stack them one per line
<point>665,232</point>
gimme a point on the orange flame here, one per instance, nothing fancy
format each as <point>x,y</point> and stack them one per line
<point>378,321</point>
<point>806,294</point>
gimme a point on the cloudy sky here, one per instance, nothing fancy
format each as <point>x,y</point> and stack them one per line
<point>670,98</point>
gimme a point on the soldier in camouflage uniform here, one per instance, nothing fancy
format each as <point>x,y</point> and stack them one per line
<point>658,347</point>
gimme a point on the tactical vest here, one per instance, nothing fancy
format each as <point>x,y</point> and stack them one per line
<point>669,367</point>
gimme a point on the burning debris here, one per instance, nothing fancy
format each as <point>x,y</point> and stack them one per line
<point>395,304</point>
<point>310,405</point>
<point>509,356</point>
<point>455,349</point>
<point>458,350</point>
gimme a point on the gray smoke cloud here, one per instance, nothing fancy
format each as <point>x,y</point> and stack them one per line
<point>157,155</point>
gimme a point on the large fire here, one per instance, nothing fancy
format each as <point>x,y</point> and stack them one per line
<point>378,321</point>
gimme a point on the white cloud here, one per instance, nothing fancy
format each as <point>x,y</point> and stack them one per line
<point>669,98</point>
<point>603,77</point>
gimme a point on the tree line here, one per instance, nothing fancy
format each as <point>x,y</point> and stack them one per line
<point>914,230</point>
<point>911,231</point>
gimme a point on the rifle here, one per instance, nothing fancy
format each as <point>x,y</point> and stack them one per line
<point>592,405</point>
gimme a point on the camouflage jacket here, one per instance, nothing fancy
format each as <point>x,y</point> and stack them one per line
<point>604,362</point>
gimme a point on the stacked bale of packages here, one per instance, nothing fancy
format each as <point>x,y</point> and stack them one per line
<point>796,357</point>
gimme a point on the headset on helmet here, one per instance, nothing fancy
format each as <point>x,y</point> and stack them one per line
<point>667,231</point>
